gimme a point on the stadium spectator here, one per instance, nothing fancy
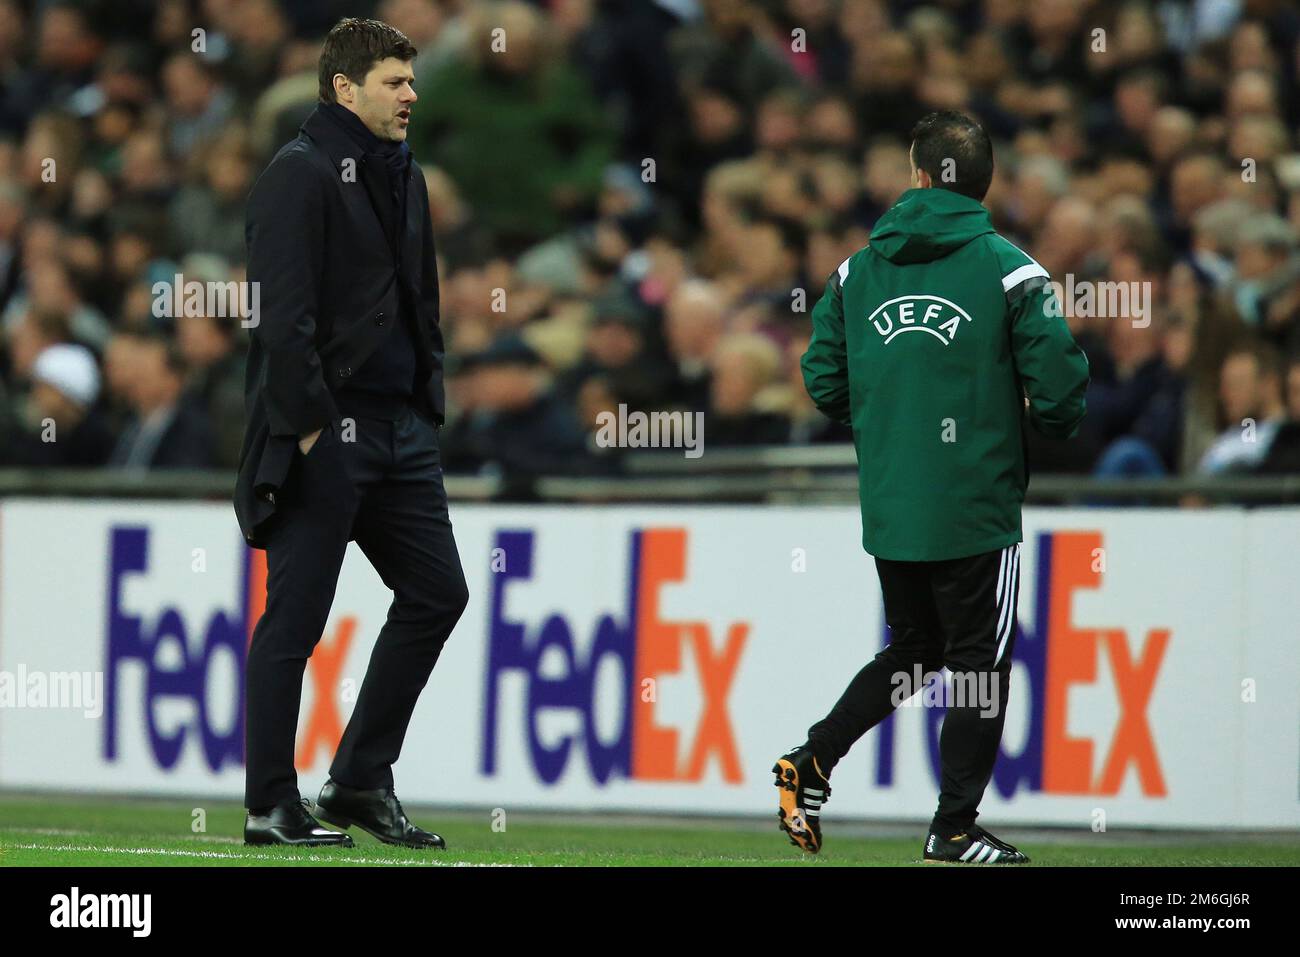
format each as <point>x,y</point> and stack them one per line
<point>49,289</point>
<point>516,127</point>
<point>1283,456</point>
<point>807,424</point>
<point>514,423</point>
<point>461,239</point>
<point>1266,280</point>
<point>212,348</point>
<point>165,431</point>
<point>746,394</point>
<point>29,332</point>
<point>695,319</point>
<point>1251,396</point>
<point>208,215</point>
<point>60,424</point>
<point>617,349</point>
<point>198,106</point>
<point>705,163</point>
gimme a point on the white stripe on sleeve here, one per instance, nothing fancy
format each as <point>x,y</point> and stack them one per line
<point>1028,271</point>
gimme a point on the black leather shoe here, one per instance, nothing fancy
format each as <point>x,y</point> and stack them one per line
<point>291,823</point>
<point>376,811</point>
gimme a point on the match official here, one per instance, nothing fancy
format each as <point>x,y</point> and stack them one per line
<point>937,344</point>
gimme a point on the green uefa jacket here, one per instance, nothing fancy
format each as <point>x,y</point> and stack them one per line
<point>927,342</point>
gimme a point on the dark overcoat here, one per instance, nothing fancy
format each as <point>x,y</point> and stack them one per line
<point>328,293</point>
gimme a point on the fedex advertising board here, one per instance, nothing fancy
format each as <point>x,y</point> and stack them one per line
<point>659,659</point>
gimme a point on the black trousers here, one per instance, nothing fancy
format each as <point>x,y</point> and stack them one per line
<point>959,614</point>
<point>378,482</point>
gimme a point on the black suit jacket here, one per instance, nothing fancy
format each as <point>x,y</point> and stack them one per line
<point>328,295</point>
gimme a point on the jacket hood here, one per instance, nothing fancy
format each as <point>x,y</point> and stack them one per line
<point>928,224</point>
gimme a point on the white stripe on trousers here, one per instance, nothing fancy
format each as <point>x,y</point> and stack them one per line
<point>1008,588</point>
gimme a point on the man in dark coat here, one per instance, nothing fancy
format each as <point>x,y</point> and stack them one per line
<point>345,399</point>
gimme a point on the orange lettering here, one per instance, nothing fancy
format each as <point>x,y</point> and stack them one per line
<point>659,652</point>
<point>1134,683</point>
<point>324,729</point>
<point>1071,659</point>
<point>716,675</point>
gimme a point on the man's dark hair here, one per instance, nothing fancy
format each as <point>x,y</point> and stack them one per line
<point>794,234</point>
<point>955,151</point>
<point>353,47</point>
<point>1152,79</point>
<point>164,340</point>
<point>54,325</point>
<point>1268,361</point>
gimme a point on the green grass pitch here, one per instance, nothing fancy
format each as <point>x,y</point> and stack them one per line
<point>92,831</point>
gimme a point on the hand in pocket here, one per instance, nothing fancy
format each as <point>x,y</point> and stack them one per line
<point>307,441</point>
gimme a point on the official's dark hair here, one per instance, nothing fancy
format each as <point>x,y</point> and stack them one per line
<point>955,151</point>
<point>353,47</point>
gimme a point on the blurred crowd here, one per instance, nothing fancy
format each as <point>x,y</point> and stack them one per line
<point>638,203</point>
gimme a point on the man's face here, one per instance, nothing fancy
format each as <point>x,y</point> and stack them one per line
<point>1239,387</point>
<point>384,101</point>
<point>734,385</point>
<point>506,387</point>
<point>613,344</point>
<point>51,403</point>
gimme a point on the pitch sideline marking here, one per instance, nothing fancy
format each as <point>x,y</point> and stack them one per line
<point>176,852</point>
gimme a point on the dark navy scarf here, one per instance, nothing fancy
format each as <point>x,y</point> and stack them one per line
<point>395,154</point>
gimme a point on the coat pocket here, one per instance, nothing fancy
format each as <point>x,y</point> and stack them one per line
<point>273,467</point>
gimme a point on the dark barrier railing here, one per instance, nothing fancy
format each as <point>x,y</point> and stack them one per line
<point>840,489</point>
<point>776,474</point>
<point>169,484</point>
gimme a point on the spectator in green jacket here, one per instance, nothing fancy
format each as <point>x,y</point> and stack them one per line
<point>519,131</point>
